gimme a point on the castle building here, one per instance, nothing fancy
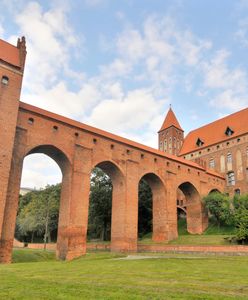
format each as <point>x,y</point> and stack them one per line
<point>221,145</point>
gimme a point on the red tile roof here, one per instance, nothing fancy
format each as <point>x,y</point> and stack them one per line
<point>9,53</point>
<point>170,120</point>
<point>214,132</point>
<point>67,121</point>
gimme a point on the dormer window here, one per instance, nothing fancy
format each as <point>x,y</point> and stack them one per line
<point>229,131</point>
<point>199,142</point>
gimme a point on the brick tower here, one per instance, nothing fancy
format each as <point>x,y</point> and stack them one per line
<point>12,61</point>
<point>170,135</point>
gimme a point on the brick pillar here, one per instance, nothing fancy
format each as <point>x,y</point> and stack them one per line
<point>197,219</point>
<point>12,199</point>
<point>73,218</point>
<point>125,210</point>
<point>171,192</point>
<point>159,209</point>
<point>9,104</point>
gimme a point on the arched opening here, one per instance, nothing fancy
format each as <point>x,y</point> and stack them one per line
<point>13,196</point>
<point>144,210</point>
<point>109,201</point>
<point>38,209</point>
<point>100,206</point>
<point>157,218</point>
<point>197,219</point>
<point>181,213</point>
<point>214,191</point>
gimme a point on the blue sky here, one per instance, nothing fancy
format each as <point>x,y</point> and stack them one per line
<point>118,65</point>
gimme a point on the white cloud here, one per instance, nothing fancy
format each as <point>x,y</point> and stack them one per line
<point>129,113</point>
<point>228,99</point>
<point>39,170</point>
<point>228,84</point>
<point>50,44</point>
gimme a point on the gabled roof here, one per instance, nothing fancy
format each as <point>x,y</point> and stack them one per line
<point>215,132</point>
<point>9,54</point>
<point>170,120</point>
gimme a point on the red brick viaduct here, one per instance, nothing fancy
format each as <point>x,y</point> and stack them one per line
<point>78,148</point>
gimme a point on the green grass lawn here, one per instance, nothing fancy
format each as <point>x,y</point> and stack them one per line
<point>102,276</point>
<point>213,235</point>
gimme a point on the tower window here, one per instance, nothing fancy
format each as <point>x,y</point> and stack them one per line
<point>199,142</point>
<point>5,80</point>
<point>229,131</point>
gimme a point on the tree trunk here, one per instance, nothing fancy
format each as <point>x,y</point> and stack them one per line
<point>46,227</point>
<point>32,237</point>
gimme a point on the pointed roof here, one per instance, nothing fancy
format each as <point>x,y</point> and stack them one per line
<point>170,120</point>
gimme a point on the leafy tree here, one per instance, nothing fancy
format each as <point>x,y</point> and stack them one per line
<point>219,207</point>
<point>145,209</point>
<point>241,217</point>
<point>99,225</point>
<point>38,213</point>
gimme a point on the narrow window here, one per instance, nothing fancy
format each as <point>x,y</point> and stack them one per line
<point>229,157</point>
<point>211,163</point>
<point>5,80</point>
<point>231,178</point>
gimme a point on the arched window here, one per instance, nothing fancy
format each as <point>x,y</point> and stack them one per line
<point>229,157</point>
<point>161,146</point>
<point>211,163</point>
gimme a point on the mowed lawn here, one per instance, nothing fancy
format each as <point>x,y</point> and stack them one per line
<point>105,276</point>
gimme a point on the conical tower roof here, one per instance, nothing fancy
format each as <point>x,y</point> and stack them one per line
<point>170,120</point>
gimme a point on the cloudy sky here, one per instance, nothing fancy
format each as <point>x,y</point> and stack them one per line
<point>118,65</point>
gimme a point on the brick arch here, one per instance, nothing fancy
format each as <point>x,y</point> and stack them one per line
<point>159,206</point>
<point>53,152</point>
<point>118,201</point>
<point>109,166</point>
<point>196,214</point>
<point>214,190</point>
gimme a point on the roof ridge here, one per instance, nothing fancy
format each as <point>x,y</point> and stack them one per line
<point>218,120</point>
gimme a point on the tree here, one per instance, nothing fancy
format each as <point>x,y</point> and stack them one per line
<point>219,207</point>
<point>99,225</point>
<point>38,213</point>
<point>145,208</point>
<point>241,217</point>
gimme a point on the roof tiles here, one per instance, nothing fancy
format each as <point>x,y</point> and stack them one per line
<point>9,53</point>
<point>216,132</point>
<point>170,120</point>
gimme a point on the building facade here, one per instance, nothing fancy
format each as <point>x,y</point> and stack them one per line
<point>221,146</point>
